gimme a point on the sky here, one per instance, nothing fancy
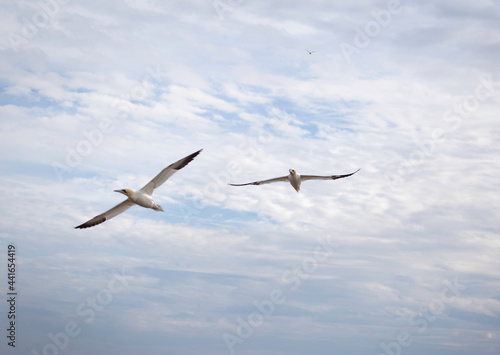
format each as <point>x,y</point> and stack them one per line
<point>400,258</point>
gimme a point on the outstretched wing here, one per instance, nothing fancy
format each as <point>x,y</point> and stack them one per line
<point>328,177</point>
<point>115,211</point>
<point>167,172</point>
<point>283,178</point>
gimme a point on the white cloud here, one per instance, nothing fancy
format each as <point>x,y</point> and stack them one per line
<point>418,213</point>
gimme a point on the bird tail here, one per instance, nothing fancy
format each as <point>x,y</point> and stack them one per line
<point>158,208</point>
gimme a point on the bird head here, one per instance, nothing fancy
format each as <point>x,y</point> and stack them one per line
<point>292,172</point>
<point>126,192</point>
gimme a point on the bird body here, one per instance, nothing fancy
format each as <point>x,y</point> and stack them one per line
<point>296,179</point>
<point>141,197</point>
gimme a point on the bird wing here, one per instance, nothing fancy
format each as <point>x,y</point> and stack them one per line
<point>115,211</point>
<point>167,172</point>
<point>283,178</point>
<point>328,177</point>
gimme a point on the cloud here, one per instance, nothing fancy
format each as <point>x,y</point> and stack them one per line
<point>105,95</point>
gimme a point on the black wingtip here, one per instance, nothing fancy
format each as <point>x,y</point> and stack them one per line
<point>187,160</point>
<point>93,222</point>
<point>353,172</point>
<point>196,153</point>
<point>85,225</point>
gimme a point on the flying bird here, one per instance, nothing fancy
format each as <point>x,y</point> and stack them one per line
<point>310,52</point>
<point>296,179</point>
<point>141,197</point>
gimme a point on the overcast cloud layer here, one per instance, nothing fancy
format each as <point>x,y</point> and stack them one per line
<point>401,258</point>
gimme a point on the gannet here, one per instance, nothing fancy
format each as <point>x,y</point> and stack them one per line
<point>296,179</point>
<point>310,52</point>
<point>141,197</point>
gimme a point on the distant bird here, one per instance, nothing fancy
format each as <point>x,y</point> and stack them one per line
<point>143,196</point>
<point>310,52</point>
<point>296,179</point>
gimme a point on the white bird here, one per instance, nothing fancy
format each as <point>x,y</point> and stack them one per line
<point>141,197</point>
<point>296,179</point>
<point>310,52</point>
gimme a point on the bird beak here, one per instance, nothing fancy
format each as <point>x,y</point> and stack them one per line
<point>120,191</point>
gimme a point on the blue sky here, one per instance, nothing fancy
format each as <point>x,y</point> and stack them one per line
<point>401,258</point>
